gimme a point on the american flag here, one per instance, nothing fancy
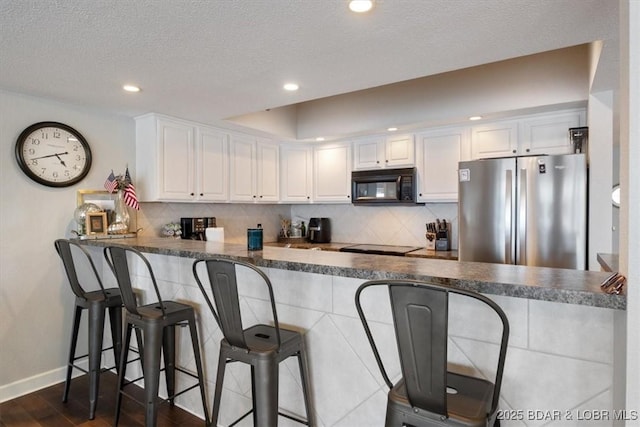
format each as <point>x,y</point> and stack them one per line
<point>130,197</point>
<point>111,183</point>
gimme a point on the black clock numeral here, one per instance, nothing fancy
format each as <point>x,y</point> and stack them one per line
<point>45,135</point>
<point>67,173</point>
<point>34,162</point>
<point>35,141</point>
<point>31,151</point>
<point>55,174</point>
<point>78,158</point>
<point>56,134</point>
<point>76,148</point>
<point>43,171</point>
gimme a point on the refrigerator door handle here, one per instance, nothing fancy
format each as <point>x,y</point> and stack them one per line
<point>522,219</point>
<point>508,202</point>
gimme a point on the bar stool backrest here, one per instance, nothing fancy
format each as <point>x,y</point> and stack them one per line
<point>224,288</point>
<point>116,257</point>
<point>63,247</point>
<point>420,316</point>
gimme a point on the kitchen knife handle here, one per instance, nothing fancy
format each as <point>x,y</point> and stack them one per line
<point>508,222</point>
<point>522,219</point>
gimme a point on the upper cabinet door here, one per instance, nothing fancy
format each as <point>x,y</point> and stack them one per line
<point>212,160</point>
<point>549,134</point>
<point>296,167</point>
<point>400,151</point>
<point>369,153</point>
<point>175,161</point>
<point>332,173</point>
<point>267,173</point>
<point>494,140</point>
<point>438,156</point>
<point>242,168</point>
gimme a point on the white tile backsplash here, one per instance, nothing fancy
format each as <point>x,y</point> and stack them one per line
<point>391,225</point>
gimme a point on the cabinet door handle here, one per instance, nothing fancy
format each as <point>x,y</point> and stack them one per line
<point>528,150</point>
<point>514,151</point>
<point>201,194</point>
<point>261,197</point>
<point>386,161</point>
<point>377,161</point>
<point>192,194</point>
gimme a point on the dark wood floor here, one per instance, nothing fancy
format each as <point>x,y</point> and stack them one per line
<point>45,408</point>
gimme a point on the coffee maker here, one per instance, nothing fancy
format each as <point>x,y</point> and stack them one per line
<point>194,228</point>
<point>319,230</point>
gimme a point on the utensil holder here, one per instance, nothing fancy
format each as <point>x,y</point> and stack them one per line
<point>443,240</point>
<point>431,241</point>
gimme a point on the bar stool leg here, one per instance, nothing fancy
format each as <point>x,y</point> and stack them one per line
<point>122,370</point>
<point>96,335</point>
<point>265,382</point>
<point>169,350</point>
<point>195,343</point>
<point>115,320</point>
<point>222,364</point>
<point>151,356</point>
<point>72,351</point>
<point>304,378</point>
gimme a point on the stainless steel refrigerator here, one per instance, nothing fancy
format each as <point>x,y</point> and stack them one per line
<point>524,210</point>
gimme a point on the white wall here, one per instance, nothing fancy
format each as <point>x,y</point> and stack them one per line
<point>35,299</point>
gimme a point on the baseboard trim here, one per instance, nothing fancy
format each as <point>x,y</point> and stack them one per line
<point>37,382</point>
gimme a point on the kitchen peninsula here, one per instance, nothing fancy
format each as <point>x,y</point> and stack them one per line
<point>560,357</point>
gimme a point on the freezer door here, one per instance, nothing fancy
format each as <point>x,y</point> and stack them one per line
<point>486,210</point>
<point>552,211</point>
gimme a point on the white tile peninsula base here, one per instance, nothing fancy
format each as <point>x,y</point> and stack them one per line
<point>559,369</point>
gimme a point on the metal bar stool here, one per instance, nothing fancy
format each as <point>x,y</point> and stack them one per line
<point>97,302</point>
<point>261,346</point>
<point>157,321</point>
<point>428,394</point>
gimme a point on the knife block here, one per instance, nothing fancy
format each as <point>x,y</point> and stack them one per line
<point>431,241</point>
<point>443,239</point>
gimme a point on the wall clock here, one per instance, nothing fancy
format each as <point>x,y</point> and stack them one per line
<point>53,154</point>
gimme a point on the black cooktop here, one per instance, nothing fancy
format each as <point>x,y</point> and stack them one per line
<point>379,249</point>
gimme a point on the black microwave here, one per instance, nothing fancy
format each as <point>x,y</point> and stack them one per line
<point>384,186</point>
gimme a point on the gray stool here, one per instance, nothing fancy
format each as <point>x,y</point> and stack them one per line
<point>97,302</point>
<point>261,346</point>
<point>157,322</point>
<point>428,394</point>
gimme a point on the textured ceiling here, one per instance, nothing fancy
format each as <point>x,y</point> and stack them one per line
<point>210,60</point>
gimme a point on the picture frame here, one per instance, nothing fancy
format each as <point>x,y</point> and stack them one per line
<point>96,223</point>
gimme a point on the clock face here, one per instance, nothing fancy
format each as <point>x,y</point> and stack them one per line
<point>53,154</point>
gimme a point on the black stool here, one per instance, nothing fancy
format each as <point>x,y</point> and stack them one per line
<point>97,302</point>
<point>261,346</point>
<point>157,322</point>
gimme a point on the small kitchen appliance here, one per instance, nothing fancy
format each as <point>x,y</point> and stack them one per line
<point>384,186</point>
<point>319,230</point>
<point>194,228</point>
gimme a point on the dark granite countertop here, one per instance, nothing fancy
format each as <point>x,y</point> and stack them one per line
<point>547,284</point>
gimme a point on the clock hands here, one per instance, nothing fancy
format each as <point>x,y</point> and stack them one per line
<point>61,161</point>
<point>51,155</point>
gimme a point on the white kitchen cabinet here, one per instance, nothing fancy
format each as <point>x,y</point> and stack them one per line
<point>179,161</point>
<point>332,173</point>
<point>438,153</point>
<point>498,139</point>
<point>546,133</point>
<point>296,168</point>
<point>253,170</point>
<point>549,133</point>
<point>397,151</point>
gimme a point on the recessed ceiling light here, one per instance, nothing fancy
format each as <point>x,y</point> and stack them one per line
<point>392,129</point>
<point>475,117</point>
<point>131,88</point>
<point>360,6</point>
<point>291,87</point>
<point>319,138</point>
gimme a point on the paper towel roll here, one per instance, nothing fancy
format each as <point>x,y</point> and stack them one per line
<point>214,234</point>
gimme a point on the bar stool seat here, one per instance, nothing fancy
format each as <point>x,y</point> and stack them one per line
<point>261,346</point>
<point>97,302</point>
<point>157,322</point>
